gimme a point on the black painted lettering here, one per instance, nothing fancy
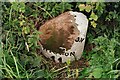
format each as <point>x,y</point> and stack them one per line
<point>72,53</point>
<point>66,54</point>
<point>79,39</point>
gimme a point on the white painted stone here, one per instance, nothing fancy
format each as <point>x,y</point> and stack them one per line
<point>77,47</point>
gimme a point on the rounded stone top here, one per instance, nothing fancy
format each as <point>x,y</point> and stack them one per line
<point>63,37</point>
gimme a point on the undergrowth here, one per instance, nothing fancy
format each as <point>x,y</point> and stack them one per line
<point>19,47</point>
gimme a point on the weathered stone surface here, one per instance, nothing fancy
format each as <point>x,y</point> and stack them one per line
<point>63,37</point>
<point>59,32</point>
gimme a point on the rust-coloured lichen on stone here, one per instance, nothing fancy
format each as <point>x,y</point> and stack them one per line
<point>59,32</point>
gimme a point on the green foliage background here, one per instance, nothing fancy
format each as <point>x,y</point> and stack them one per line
<point>19,58</point>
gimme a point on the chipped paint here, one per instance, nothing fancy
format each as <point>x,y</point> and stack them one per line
<point>78,45</point>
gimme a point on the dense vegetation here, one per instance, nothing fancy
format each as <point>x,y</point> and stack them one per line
<point>19,56</point>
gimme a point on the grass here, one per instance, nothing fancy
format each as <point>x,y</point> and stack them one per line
<point>19,48</point>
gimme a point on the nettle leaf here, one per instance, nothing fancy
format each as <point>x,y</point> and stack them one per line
<point>18,6</point>
<point>98,6</point>
<point>97,72</point>
<point>22,22</point>
<point>22,7</point>
<point>88,8</point>
<point>39,73</point>
<point>15,6</point>
<point>30,40</point>
<point>93,16</point>
<point>82,7</point>
<point>93,23</point>
<point>68,62</point>
<point>37,61</point>
<point>26,30</point>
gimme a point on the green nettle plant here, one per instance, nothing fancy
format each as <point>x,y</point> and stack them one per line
<point>19,42</point>
<point>94,9</point>
<point>19,46</point>
<point>20,38</point>
<point>102,59</point>
<point>104,56</point>
<point>98,10</point>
